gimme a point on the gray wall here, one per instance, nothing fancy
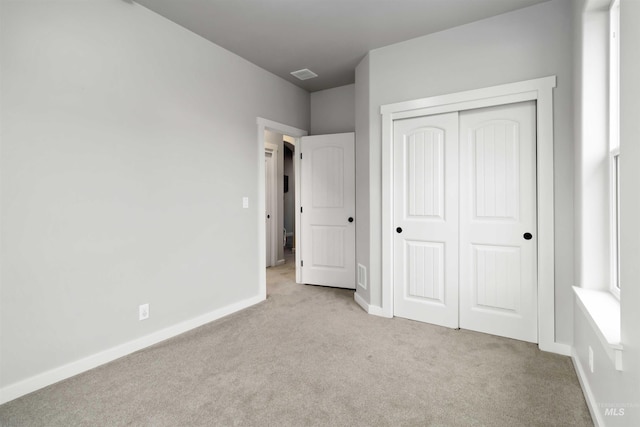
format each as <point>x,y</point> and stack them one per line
<point>333,110</point>
<point>521,45</point>
<point>127,145</point>
<point>363,223</point>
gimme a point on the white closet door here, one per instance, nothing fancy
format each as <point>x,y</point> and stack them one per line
<point>327,199</point>
<point>426,219</point>
<point>498,283</point>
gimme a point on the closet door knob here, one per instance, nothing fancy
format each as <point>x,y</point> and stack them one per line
<point>399,229</point>
<point>527,236</point>
<point>350,219</point>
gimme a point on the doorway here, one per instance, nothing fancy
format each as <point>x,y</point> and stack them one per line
<point>294,133</point>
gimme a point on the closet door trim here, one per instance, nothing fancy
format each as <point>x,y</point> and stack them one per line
<point>539,90</point>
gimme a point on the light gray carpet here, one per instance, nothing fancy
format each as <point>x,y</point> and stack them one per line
<point>311,356</point>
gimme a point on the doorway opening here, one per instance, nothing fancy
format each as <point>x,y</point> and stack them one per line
<point>280,183</point>
<point>271,139</point>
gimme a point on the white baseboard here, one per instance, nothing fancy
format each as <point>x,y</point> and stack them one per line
<point>558,348</point>
<point>376,310</point>
<point>13,391</point>
<point>592,404</point>
<point>371,309</point>
<point>361,302</point>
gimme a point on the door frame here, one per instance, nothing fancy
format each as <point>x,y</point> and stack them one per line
<point>539,90</point>
<point>264,124</point>
<point>272,194</point>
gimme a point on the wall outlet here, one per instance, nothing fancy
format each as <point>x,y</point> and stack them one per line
<point>245,202</point>
<point>143,312</point>
<point>591,359</point>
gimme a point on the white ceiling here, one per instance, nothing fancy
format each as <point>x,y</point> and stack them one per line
<point>329,37</point>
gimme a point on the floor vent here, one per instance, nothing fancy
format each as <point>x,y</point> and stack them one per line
<point>362,276</point>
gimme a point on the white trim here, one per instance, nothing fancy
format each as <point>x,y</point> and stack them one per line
<point>275,212</point>
<point>361,302</point>
<point>15,390</point>
<point>264,124</point>
<point>298,236</point>
<point>371,309</point>
<point>487,93</point>
<point>281,128</point>
<point>280,262</point>
<point>540,90</point>
<point>465,105</point>
<point>602,310</point>
<point>592,403</point>
<point>614,222</point>
<point>376,310</point>
<point>558,348</point>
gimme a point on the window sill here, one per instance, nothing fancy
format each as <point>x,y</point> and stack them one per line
<point>602,309</point>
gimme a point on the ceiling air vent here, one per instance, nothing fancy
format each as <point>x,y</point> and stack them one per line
<point>304,74</point>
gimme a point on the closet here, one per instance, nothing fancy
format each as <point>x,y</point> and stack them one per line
<point>464,220</point>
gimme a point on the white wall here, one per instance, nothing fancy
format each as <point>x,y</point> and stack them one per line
<point>591,182</point>
<point>525,44</point>
<point>333,110</point>
<point>630,199</point>
<point>127,145</point>
<point>607,387</point>
<point>362,123</point>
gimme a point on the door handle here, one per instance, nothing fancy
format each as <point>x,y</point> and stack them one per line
<point>399,229</point>
<point>350,219</point>
<point>527,236</point>
<point>268,216</point>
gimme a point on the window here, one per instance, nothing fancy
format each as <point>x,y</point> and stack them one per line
<point>614,141</point>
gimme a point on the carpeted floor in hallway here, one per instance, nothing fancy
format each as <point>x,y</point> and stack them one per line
<point>310,356</point>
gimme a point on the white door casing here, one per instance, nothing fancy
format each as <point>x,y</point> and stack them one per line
<point>426,219</point>
<point>327,205</point>
<point>498,275</point>
<point>270,190</point>
<point>540,90</point>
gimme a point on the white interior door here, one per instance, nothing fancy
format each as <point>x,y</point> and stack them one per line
<point>269,179</point>
<point>498,283</point>
<point>426,219</point>
<point>327,202</point>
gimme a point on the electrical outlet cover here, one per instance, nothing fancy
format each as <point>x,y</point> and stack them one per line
<point>143,312</point>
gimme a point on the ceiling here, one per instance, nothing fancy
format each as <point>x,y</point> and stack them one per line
<point>330,37</point>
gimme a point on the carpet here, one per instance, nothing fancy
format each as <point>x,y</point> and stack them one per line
<point>309,356</point>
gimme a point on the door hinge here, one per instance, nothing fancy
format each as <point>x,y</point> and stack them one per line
<point>300,156</point>
<point>300,209</point>
<point>301,263</point>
